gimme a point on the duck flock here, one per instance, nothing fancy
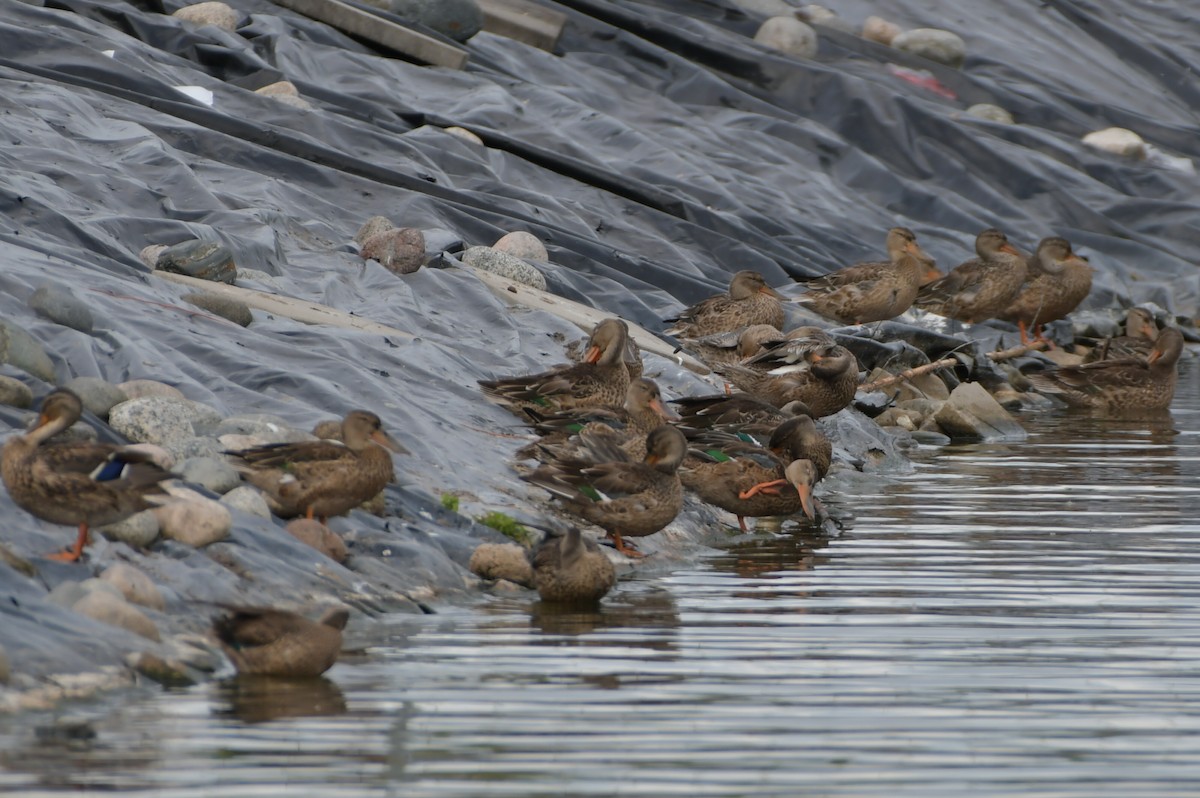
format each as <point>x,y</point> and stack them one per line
<point>610,450</point>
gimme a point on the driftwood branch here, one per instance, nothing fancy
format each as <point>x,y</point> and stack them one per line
<point>1017,351</point>
<point>908,374</point>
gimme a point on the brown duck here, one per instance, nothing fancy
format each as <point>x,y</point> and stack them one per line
<point>76,483</point>
<point>626,497</point>
<point>749,301</point>
<point>1057,281</point>
<point>981,288</point>
<point>1123,385</point>
<point>728,413</point>
<point>1141,331</point>
<point>632,355</point>
<point>601,380</point>
<point>874,291</point>
<point>322,478</point>
<point>824,378</point>
<point>571,569</point>
<point>731,346</point>
<point>270,642</point>
<point>751,480</point>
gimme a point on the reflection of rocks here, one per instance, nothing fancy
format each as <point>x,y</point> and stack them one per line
<point>259,699</point>
<point>652,609</point>
<point>774,556</point>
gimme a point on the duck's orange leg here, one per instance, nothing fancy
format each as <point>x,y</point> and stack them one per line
<point>628,549</point>
<point>742,524</point>
<point>75,552</point>
<point>768,488</point>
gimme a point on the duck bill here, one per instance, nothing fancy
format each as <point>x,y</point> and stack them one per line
<point>592,355</point>
<point>388,442</point>
<point>769,291</point>
<point>664,412</point>
<point>1010,249</point>
<point>806,500</point>
<point>1154,357</point>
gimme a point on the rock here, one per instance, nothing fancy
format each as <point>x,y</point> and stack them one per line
<point>98,395</point>
<point>20,349</point>
<point>228,308</point>
<point>897,417</point>
<point>522,245</point>
<point>400,250</point>
<point>248,500</point>
<point>924,386</point>
<point>464,134</point>
<point>138,389</point>
<point>937,45</point>
<point>972,414</point>
<point>210,472</point>
<point>788,35</point>
<point>196,651</point>
<point>195,522</point>
<point>264,427</point>
<point>93,584</point>
<point>765,8</point>
<point>457,19</point>
<point>820,15</point>
<point>134,585</point>
<point>102,606</point>
<point>1118,141</point>
<point>149,255</point>
<point>930,438</point>
<point>157,454</point>
<point>313,533</point>
<point>371,227</point>
<point>5,668</point>
<point>65,594</point>
<point>199,446</point>
<point>60,305</point>
<point>505,265</point>
<point>205,260</point>
<point>167,672</point>
<point>502,561</point>
<point>284,91</point>
<point>293,100</point>
<point>15,393</point>
<point>139,530</point>
<point>212,13</point>
<point>376,505</point>
<point>878,29</point>
<point>992,113</point>
<point>153,419</point>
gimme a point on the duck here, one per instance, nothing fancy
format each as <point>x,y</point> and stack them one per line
<point>76,483</point>
<point>1057,281</point>
<point>824,378</point>
<point>571,569</point>
<point>749,301</point>
<point>873,291</point>
<point>318,479</point>
<point>271,642</point>
<point>731,346</point>
<point>1141,330</point>
<point>601,380</point>
<point>750,480</point>
<point>1119,385</point>
<point>643,411</point>
<point>981,288</point>
<point>734,413</point>
<point>626,497</point>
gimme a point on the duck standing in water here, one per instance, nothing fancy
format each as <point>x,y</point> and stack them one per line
<point>76,483</point>
<point>271,642</point>
<point>749,301</point>
<point>981,288</point>
<point>1119,385</point>
<point>571,569</point>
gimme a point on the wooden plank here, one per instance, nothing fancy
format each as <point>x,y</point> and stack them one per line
<point>582,316</point>
<point>523,21</point>
<point>385,33</point>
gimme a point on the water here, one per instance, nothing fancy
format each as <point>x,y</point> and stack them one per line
<point>1008,620</point>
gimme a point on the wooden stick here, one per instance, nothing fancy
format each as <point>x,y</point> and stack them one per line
<point>1017,351</point>
<point>916,371</point>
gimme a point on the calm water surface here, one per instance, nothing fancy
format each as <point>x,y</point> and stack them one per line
<point>1015,619</point>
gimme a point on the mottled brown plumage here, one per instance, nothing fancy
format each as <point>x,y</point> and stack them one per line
<point>731,346</point>
<point>271,642</point>
<point>607,487</point>
<point>731,413</point>
<point>1123,385</point>
<point>825,379</point>
<point>571,569</point>
<point>873,291</point>
<point>749,301</point>
<point>1057,281</point>
<point>981,288</point>
<point>1141,331</point>
<point>601,380</point>
<point>322,478</point>
<point>75,483</point>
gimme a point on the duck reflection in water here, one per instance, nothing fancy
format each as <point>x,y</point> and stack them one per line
<point>260,699</point>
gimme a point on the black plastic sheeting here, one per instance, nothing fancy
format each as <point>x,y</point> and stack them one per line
<point>658,151</point>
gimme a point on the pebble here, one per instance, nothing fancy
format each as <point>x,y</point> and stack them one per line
<point>134,585</point>
<point>505,265</point>
<point>226,307</point>
<point>1117,140</point>
<point>522,245</point>
<point>820,15</point>
<point>199,446</point>
<point>139,530</point>
<point>138,389</point>
<point>457,19</point>
<point>209,472</point>
<point>205,260</point>
<point>313,533</point>
<point>878,29</point>
<point>992,113</point>
<point>937,45</point>
<point>167,672</point>
<point>788,35</point>
<point>464,134</point>
<point>266,427</point>
<point>972,414</point>
<point>20,349</point>
<point>97,394</point>
<point>371,227</point>
<point>15,393</point>
<point>400,250</point>
<point>328,430</point>
<point>153,419</point>
<point>285,91</point>
<point>247,499</point>
<point>195,522</point>
<point>502,561</point>
<point>60,305</point>
<point>213,13</point>
<point>102,606</point>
